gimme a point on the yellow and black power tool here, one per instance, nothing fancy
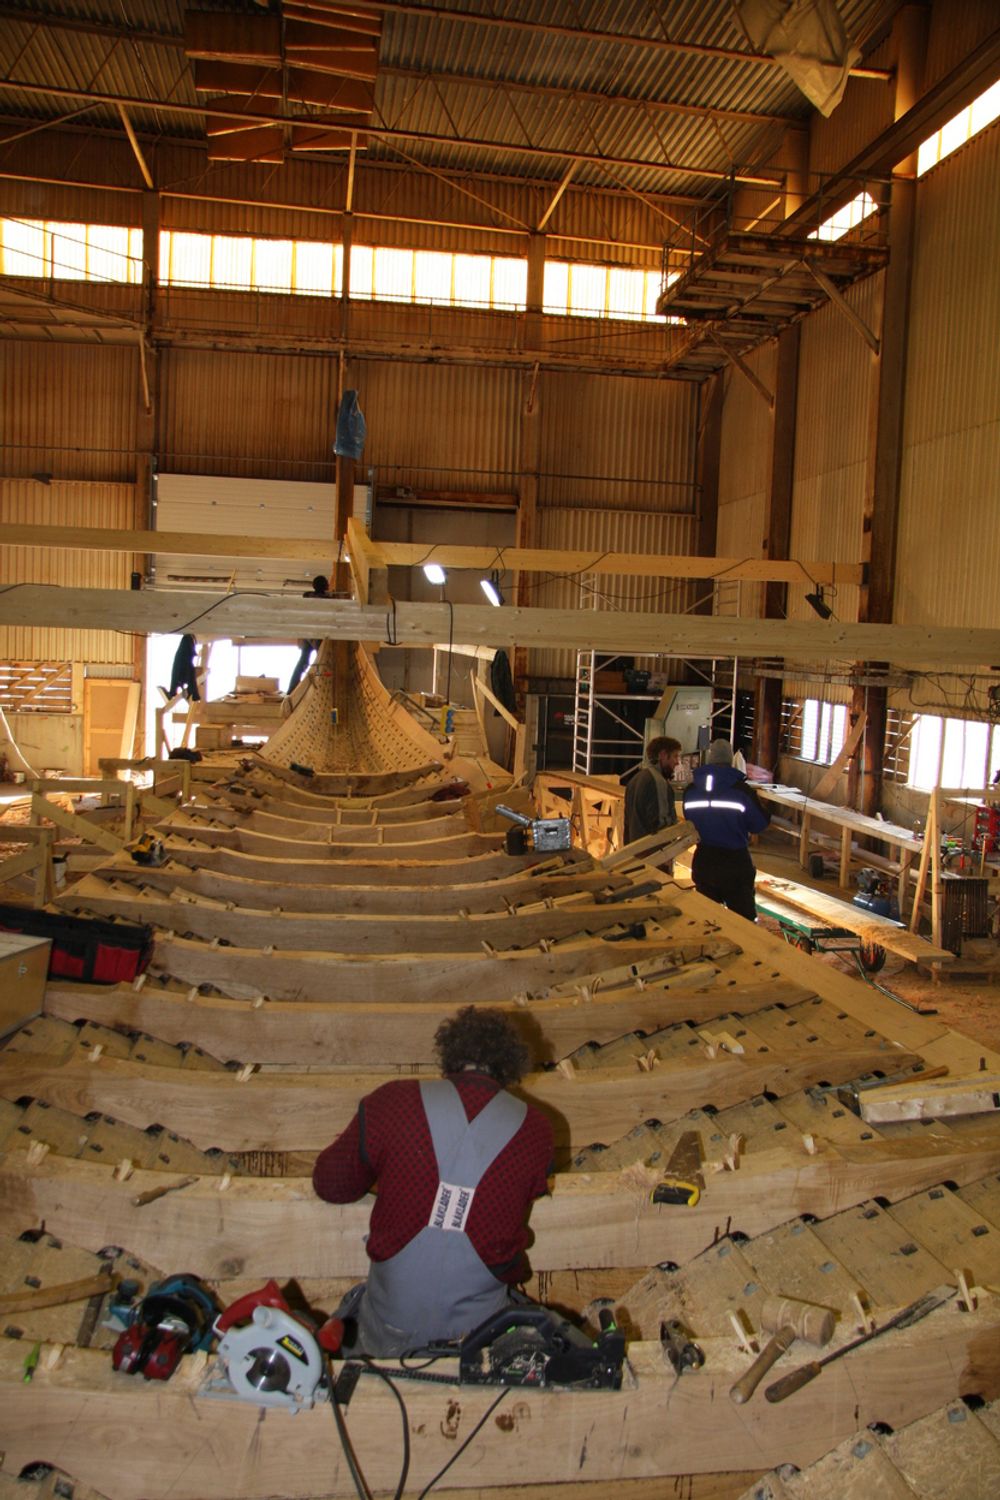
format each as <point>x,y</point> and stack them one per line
<point>148,850</point>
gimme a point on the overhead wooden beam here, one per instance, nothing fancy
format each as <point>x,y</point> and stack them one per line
<point>411,554</point>
<point>280,617</point>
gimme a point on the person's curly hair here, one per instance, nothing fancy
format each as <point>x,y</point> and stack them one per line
<point>481,1038</point>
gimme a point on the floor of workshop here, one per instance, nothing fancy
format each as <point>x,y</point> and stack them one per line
<point>968,1003</point>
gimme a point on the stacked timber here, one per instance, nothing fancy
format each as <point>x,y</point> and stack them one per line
<point>311,934</point>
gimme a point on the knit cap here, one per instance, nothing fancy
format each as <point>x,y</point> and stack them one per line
<point>720,753</point>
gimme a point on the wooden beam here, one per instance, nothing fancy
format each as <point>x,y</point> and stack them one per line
<point>168,1444</point>
<point>424,624</point>
<point>937,1099</point>
<point>305,1111</point>
<point>411,554</point>
<point>304,1033</point>
<point>277,1227</point>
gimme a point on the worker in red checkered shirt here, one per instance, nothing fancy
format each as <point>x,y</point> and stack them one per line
<point>457,1162</point>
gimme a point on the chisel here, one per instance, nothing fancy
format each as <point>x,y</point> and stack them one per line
<point>788,1384</point>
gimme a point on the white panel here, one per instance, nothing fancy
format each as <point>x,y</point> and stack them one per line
<point>217,506</point>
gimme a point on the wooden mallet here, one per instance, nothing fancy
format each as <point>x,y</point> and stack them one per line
<point>787,1319</point>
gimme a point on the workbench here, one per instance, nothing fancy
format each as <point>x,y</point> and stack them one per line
<point>851,824</point>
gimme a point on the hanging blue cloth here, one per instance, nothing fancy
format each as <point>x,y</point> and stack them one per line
<point>351,428</point>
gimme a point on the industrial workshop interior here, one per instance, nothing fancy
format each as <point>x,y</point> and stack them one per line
<point>499,749</point>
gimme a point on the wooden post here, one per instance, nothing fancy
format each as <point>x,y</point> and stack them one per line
<point>934,820</point>
<point>930,839</point>
<point>845,857</point>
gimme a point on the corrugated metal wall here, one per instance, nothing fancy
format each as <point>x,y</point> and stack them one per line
<point>864,112</point>
<point>440,427</point>
<point>949,535</point>
<point>70,410</point>
<point>744,469</point>
<point>837,391</point>
<point>599,531</point>
<point>62,503</point>
<point>614,443</point>
<point>71,413</point>
<point>253,414</point>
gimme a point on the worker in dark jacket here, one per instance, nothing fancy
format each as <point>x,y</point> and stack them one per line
<point>319,590</point>
<point>183,673</point>
<point>725,812</point>
<point>458,1162</point>
<point>649,797</point>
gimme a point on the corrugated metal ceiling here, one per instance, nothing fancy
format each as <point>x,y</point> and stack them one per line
<point>431,84</point>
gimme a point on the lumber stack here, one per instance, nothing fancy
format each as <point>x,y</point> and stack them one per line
<point>311,932</point>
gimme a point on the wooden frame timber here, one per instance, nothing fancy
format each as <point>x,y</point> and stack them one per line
<point>409,624</point>
<point>412,554</point>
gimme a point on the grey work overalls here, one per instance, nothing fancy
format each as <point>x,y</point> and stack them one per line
<point>437,1287</point>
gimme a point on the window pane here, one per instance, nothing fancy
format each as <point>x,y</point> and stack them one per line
<point>845,218</point>
<point>810,728</point>
<point>135,253</point>
<point>626,291</point>
<point>432,276</point>
<point>925,746</point>
<point>107,259</point>
<point>555,287</point>
<point>586,290</point>
<point>190,262</point>
<point>510,282</point>
<point>69,251</point>
<point>232,261</point>
<point>314,267</point>
<point>393,280</point>
<point>23,247</point>
<point>362,270</point>
<point>472,280</point>
<point>272,265</point>
<point>965,747</point>
<point>994,765</point>
<point>838,730</point>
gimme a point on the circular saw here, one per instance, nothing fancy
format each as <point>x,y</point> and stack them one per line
<point>269,1355</point>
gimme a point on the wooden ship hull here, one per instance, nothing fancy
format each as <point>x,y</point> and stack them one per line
<point>311,933</point>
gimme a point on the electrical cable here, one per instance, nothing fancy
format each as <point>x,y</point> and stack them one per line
<point>360,1484</point>
<point>459,1451</point>
<point>405,1466</point>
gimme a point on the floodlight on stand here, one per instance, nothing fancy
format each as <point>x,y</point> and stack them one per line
<point>491,588</point>
<point>818,603</point>
<point>434,573</point>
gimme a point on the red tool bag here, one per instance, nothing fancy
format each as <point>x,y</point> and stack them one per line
<point>85,948</point>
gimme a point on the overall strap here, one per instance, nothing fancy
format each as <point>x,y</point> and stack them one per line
<point>466,1148</point>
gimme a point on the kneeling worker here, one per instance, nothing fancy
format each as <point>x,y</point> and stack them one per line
<point>457,1162</point>
<point>725,812</point>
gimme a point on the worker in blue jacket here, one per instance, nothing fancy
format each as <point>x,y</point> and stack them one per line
<point>725,812</point>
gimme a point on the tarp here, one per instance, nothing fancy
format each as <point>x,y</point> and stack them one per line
<point>808,39</point>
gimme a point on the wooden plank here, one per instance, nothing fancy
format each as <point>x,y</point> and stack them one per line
<point>276,1227</point>
<point>244,973</point>
<point>165,1447</point>
<point>868,925</point>
<point>278,894</point>
<point>359,935</point>
<point>239,614</point>
<point>304,1033</point>
<point>979,1093</point>
<point>75,823</point>
<point>287,1111</point>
